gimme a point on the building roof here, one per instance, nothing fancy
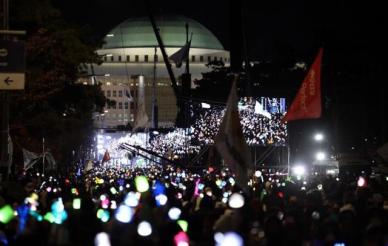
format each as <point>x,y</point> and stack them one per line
<point>138,32</point>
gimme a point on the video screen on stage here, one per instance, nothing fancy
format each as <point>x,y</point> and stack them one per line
<point>260,120</point>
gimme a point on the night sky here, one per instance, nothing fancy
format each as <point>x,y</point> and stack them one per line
<point>351,32</point>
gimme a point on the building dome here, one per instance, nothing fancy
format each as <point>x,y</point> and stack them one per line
<point>138,32</point>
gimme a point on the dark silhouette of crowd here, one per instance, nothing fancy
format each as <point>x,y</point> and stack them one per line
<point>166,205</point>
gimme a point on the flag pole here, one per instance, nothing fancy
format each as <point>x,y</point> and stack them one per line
<point>187,41</point>
<point>288,159</point>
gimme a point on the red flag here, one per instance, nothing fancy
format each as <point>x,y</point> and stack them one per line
<point>307,103</point>
<point>106,157</point>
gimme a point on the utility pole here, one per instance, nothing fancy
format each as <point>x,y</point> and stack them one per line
<point>4,105</point>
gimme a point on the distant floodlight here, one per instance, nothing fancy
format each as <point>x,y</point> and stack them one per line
<point>205,105</point>
<point>144,229</point>
<point>299,170</point>
<point>318,137</point>
<point>155,132</point>
<point>110,35</point>
<point>320,156</point>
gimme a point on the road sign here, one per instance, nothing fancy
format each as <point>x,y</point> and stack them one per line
<point>12,65</point>
<point>11,81</point>
<point>12,56</point>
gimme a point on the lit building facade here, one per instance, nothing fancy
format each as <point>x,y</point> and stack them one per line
<point>131,49</point>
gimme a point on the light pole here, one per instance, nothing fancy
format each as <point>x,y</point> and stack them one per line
<point>320,155</point>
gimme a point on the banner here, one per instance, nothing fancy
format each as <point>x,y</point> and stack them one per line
<point>307,103</point>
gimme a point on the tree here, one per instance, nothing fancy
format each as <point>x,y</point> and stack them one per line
<point>215,84</point>
<point>54,105</point>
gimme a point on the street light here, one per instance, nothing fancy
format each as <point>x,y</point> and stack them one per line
<point>318,137</point>
<point>320,156</point>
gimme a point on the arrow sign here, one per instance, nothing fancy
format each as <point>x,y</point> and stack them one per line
<point>12,81</point>
<point>8,80</point>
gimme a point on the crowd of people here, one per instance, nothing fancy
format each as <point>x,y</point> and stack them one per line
<point>174,144</point>
<point>261,126</point>
<point>167,205</point>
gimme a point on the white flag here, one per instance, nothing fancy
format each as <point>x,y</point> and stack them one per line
<point>51,163</point>
<point>230,141</point>
<point>259,110</point>
<point>30,158</point>
<point>141,117</point>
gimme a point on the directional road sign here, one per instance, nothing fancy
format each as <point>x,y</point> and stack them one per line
<point>12,65</point>
<point>12,81</point>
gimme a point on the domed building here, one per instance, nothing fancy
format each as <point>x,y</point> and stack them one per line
<point>131,49</point>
